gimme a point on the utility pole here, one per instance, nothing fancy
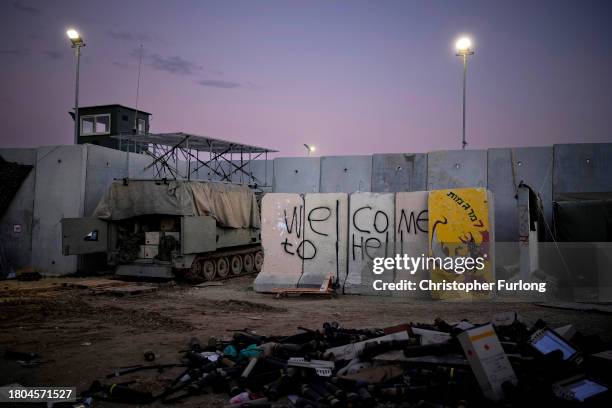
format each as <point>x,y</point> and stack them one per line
<point>464,48</point>
<point>77,43</point>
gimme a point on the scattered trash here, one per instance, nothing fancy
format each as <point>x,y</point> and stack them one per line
<point>505,364</point>
<point>149,355</point>
<point>120,393</point>
<point>488,360</point>
<point>242,397</point>
<point>86,343</point>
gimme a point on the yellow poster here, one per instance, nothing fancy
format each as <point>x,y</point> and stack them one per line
<point>460,229</point>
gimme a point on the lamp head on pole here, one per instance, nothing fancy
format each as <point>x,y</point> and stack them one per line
<point>309,148</point>
<point>75,37</point>
<point>464,47</point>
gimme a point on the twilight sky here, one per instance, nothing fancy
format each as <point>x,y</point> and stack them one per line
<point>351,77</point>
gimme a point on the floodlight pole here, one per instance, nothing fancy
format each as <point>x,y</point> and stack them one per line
<point>463,142</point>
<point>77,52</point>
<point>464,49</point>
<point>307,149</point>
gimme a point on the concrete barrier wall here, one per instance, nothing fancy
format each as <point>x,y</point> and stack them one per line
<point>411,235</point>
<point>582,168</point>
<point>104,166</point>
<point>305,238</point>
<point>371,235</point>
<point>325,237</point>
<point>399,172</point>
<point>282,224</point>
<point>461,225</point>
<point>558,171</point>
<point>550,170</point>
<point>345,174</point>
<point>59,193</point>
<point>297,175</point>
<point>456,169</point>
<point>532,166</point>
<point>16,223</point>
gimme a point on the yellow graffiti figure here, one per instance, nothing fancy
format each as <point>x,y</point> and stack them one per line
<point>460,227</point>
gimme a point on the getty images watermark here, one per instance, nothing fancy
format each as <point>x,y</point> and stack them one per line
<point>459,265</point>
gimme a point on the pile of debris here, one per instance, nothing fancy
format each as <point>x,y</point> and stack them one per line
<point>504,363</point>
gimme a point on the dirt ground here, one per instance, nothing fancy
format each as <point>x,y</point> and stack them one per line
<point>83,334</point>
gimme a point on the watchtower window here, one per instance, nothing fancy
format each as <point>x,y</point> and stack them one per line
<point>95,124</point>
<point>141,126</point>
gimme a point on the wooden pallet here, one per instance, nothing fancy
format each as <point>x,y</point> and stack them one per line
<point>326,290</point>
<point>93,283</point>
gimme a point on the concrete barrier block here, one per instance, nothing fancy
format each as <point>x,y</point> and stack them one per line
<point>346,174</point>
<point>262,172</point>
<point>399,172</point>
<point>461,225</point>
<point>506,169</point>
<point>582,169</point>
<point>325,238</point>
<point>456,169</point>
<point>59,193</point>
<point>297,175</point>
<point>371,235</point>
<point>17,223</point>
<point>282,226</point>
<point>411,236</point>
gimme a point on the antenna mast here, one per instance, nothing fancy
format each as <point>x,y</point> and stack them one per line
<point>138,91</point>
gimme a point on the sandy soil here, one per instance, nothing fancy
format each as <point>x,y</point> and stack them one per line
<point>82,336</point>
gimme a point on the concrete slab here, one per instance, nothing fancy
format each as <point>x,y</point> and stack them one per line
<point>59,193</point>
<point>411,237</point>
<point>325,235</point>
<point>263,172</point>
<point>346,174</point>
<point>16,223</point>
<point>582,168</point>
<point>103,166</point>
<point>456,169</point>
<point>296,175</point>
<point>460,226</point>
<point>371,235</point>
<point>503,185</point>
<point>137,166</point>
<point>282,224</point>
<point>399,172</point>
<point>533,166</point>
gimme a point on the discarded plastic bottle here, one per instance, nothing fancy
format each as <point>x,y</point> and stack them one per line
<point>242,397</point>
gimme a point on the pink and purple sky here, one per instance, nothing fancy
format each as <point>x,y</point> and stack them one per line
<point>351,77</point>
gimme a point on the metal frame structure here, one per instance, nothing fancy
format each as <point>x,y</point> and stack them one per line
<point>171,151</point>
